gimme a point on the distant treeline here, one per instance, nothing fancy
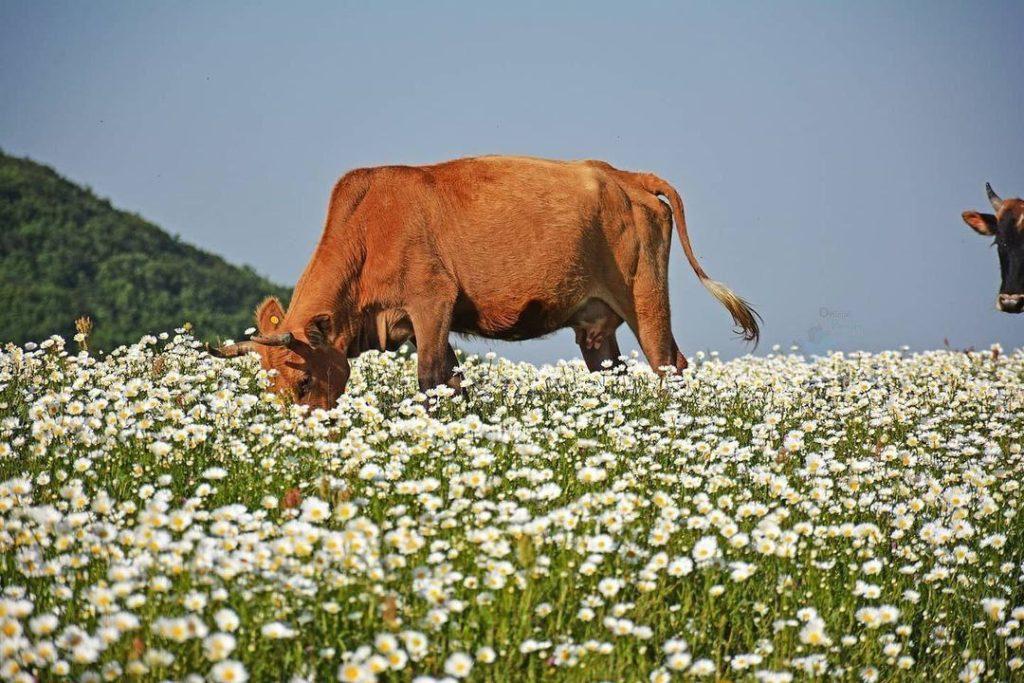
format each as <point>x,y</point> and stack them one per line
<point>66,253</point>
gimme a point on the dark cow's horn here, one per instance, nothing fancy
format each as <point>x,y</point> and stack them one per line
<point>273,339</point>
<point>993,198</point>
<point>231,350</point>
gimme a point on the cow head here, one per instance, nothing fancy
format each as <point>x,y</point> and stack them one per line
<point>308,365</point>
<point>1006,225</point>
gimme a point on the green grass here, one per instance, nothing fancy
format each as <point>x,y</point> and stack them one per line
<point>498,519</point>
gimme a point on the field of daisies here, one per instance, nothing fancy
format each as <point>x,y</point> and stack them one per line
<point>855,517</point>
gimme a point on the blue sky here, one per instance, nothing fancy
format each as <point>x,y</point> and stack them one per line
<point>824,150</point>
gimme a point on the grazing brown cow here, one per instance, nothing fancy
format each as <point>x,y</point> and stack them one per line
<point>1007,227</point>
<point>501,247</point>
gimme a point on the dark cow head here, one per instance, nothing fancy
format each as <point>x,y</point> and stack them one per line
<point>1007,227</point>
<point>309,367</point>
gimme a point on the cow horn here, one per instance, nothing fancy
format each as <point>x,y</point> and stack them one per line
<point>273,339</point>
<point>993,198</point>
<point>231,350</point>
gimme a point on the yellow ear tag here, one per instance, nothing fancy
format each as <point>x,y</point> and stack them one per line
<point>274,320</point>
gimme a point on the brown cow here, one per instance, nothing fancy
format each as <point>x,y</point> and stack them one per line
<point>501,247</point>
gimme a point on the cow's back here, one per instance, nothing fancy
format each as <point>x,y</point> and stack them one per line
<point>526,240</point>
<point>529,240</point>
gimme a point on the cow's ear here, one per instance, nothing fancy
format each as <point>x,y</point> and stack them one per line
<point>269,315</point>
<point>981,223</point>
<point>318,331</point>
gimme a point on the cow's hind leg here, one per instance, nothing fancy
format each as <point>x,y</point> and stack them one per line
<point>595,324</point>
<point>653,328</point>
<point>597,351</point>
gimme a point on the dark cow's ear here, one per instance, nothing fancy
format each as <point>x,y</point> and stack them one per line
<point>982,223</point>
<point>318,331</point>
<point>269,315</point>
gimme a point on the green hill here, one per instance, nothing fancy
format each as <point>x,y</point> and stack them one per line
<point>65,253</point>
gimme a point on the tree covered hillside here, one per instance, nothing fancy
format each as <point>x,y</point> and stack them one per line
<point>65,253</point>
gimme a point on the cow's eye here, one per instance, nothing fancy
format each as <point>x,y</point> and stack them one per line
<point>304,385</point>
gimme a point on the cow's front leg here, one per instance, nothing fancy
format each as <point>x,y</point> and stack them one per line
<point>431,322</point>
<point>454,380</point>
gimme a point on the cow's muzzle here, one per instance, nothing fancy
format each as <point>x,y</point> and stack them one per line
<point>1010,303</point>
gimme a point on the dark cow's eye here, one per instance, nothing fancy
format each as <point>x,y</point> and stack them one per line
<point>304,385</point>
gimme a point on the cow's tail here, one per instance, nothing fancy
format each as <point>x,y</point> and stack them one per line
<point>745,317</point>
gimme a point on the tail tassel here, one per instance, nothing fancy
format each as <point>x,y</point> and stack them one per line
<point>745,317</point>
